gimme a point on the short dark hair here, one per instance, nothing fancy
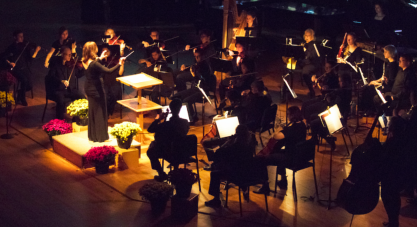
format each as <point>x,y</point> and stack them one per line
<point>153,30</point>
<point>407,57</point>
<point>155,49</point>
<point>62,30</point>
<point>175,106</point>
<point>17,32</point>
<point>199,51</point>
<point>206,32</point>
<point>294,114</point>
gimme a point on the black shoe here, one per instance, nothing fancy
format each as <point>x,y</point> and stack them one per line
<point>23,102</point>
<point>263,190</point>
<point>161,177</point>
<point>213,203</point>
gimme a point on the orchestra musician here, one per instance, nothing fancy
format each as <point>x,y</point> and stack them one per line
<point>206,47</point>
<point>63,40</point>
<point>114,40</point>
<point>154,63</point>
<point>311,60</point>
<point>252,24</point>
<point>152,41</point>
<point>59,86</point>
<point>111,86</point>
<point>328,81</point>
<point>390,72</point>
<point>352,54</point>
<point>18,55</point>
<point>94,89</point>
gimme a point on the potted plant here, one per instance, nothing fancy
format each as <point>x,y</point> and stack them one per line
<point>158,194</point>
<point>183,180</point>
<point>102,157</point>
<point>56,127</point>
<point>79,109</point>
<point>124,133</point>
<point>6,105</point>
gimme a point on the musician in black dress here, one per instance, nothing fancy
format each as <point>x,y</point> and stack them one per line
<point>352,55</point>
<point>252,28</point>
<point>57,44</point>
<point>311,61</point>
<point>94,89</point>
<point>18,56</point>
<point>59,86</point>
<point>111,86</point>
<point>381,27</point>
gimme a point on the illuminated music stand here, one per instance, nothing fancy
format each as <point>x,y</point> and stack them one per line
<point>331,119</point>
<point>139,104</point>
<point>205,97</point>
<point>183,112</point>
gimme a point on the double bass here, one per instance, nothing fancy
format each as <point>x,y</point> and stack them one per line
<point>359,192</point>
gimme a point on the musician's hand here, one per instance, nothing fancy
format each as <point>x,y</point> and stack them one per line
<point>148,64</point>
<point>341,60</point>
<point>73,46</point>
<point>66,83</point>
<point>46,64</point>
<point>145,44</point>
<point>12,64</point>
<point>122,61</point>
<point>313,79</point>
<point>38,48</point>
<point>187,47</point>
<point>231,53</point>
<point>246,92</point>
<point>122,46</point>
<point>157,117</point>
<point>194,50</point>
<point>182,67</point>
<point>385,79</point>
<point>373,83</point>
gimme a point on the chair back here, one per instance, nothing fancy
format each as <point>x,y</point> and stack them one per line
<point>49,87</point>
<point>304,152</point>
<point>268,118</point>
<point>184,148</point>
<point>167,78</point>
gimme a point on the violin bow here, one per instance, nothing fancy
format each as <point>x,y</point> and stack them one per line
<point>75,62</point>
<point>20,54</point>
<point>115,40</point>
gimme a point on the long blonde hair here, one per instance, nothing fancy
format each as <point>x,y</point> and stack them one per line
<point>90,50</point>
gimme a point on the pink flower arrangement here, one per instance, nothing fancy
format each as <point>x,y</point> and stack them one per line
<point>7,78</point>
<point>57,127</point>
<point>104,154</point>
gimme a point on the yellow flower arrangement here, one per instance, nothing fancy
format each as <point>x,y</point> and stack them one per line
<point>78,108</point>
<point>124,130</point>
<point>10,98</point>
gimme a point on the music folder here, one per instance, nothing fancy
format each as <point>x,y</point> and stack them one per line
<point>226,126</point>
<point>331,119</point>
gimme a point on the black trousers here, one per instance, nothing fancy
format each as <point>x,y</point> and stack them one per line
<point>60,97</point>
<point>155,152</point>
<point>210,144</point>
<point>308,71</point>
<point>25,80</point>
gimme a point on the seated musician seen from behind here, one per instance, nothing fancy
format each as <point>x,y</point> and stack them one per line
<point>231,162</point>
<point>165,133</point>
<point>59,86</point>
<point>279,150</point>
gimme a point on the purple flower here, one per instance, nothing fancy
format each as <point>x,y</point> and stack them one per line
<point>101,154</point>
<point>57,127</point>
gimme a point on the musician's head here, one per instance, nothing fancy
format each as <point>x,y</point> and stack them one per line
<point>257,87</point>
<point>309,35</point>
<point>175,107</point>
<point>396,127</point>
<point>90,50</point>
<point>107,49</point>
<point>294,114</point>
<point>247,66</point>
<point>250,17</point>
<point>66,53</point>
<point>18,36</point>
<point>155,53</point>
<point>239,47</point>
<point>242,133</point>
<point>390,51</point>
<point>63,33</point>
<point>344,80</point>
<point>328,66</point>
<point>197,55</point>
<point>405,61</point>
<point>379,8</point>
<point>351,39</point>
<point>110,32</point>
<point>154,34</point>
<point>205,35</point>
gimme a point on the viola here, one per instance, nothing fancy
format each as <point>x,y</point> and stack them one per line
<point>116,41</point>
<point>72,63</point>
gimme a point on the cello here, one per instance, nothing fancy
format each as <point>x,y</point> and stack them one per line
<point>359,192</point>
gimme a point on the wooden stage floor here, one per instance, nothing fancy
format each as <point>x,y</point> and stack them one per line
<point>40,188</point>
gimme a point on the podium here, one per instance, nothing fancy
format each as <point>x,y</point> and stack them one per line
<point>139,104</point>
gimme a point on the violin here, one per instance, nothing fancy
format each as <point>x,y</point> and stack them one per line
<point>117,41</point>
<point>72,63</point>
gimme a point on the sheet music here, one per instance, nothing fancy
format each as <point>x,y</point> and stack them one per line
<point>138,79</point>
<point>380,95</point>
<point>363,78</point>
<point>331,119</point>
<point>289,88</point>
<point>227,126</point>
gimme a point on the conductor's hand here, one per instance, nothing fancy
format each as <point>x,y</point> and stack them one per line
<point>145,44</point>
<point>122,61</point>
<point>66,83</point>
<point>187,47</point>
<point>12,64</point>
<point>182,67</point>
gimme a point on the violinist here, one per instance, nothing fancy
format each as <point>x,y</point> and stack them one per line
<point>18,56</point>
<point>237,58</point>
<point>311,60</point>
<point>61,80</point>
<point>206,47</point>
<point>328,81</point>
<point>114,40</point>
<point>152,41</point>
<point>155,63</point>
<point>63,40</point>
<point>352,54</point>
<point>111,86</point>
<point>199,72</point>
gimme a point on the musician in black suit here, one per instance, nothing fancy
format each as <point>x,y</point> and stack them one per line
<point>59,86</point>
<point>311,61</point>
